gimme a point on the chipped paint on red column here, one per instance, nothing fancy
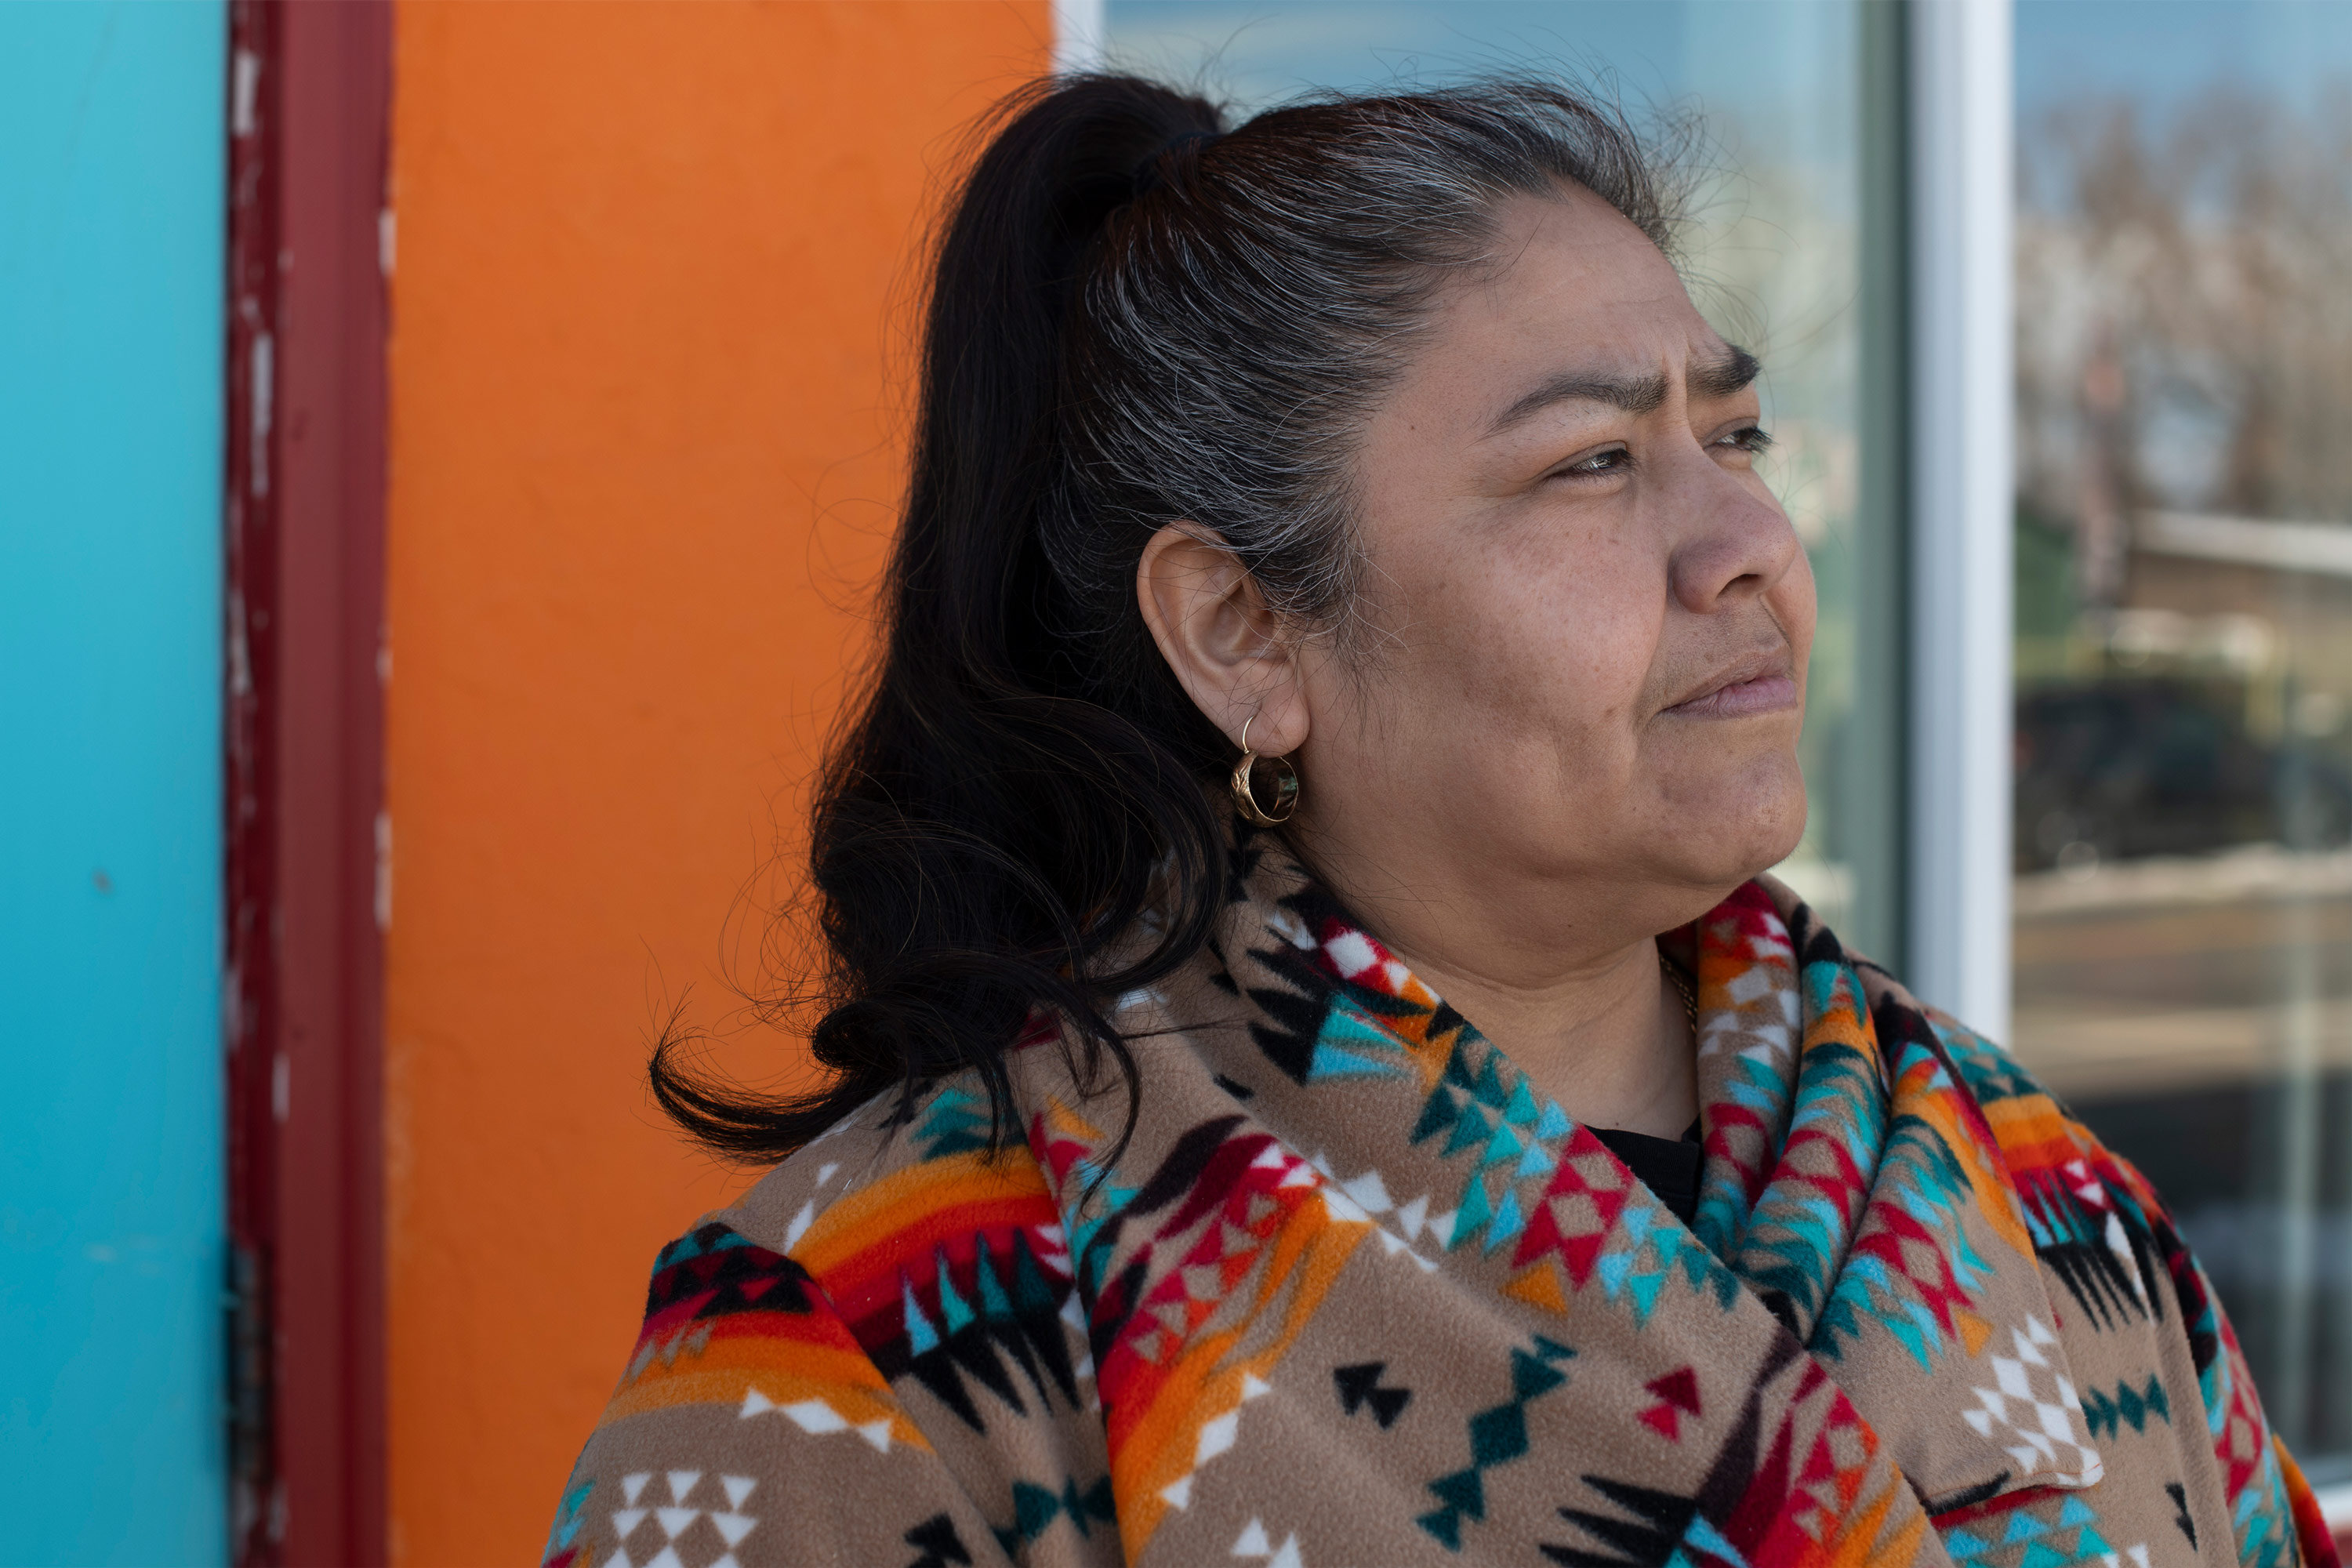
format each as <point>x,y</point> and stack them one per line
<point>308,106</point>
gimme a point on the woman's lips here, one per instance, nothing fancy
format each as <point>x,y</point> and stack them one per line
<point>1767,693</point>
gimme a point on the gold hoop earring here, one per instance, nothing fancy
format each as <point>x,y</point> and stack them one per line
<point>1286,785</point>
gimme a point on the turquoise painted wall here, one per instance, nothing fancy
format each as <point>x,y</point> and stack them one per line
<point>111,1239</point>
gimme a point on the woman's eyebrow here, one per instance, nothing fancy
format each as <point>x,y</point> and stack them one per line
<point>1728,372</point>
<point>1632,393</point>
<point>1733,371</point>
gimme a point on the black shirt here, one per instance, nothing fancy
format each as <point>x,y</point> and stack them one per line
<point>1667,1166</point>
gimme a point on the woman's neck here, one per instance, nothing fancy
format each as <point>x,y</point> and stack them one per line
<point>1591,1018</point>
<point>1612,1042</point>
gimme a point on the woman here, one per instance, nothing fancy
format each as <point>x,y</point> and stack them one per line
<point>1318,1076</point>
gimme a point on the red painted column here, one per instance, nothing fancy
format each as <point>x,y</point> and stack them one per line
<point>308,103</point>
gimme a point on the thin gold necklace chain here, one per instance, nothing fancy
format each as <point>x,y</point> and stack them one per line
<point>1681,983</point>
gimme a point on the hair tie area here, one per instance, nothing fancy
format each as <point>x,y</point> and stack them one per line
<point>1148,176</point>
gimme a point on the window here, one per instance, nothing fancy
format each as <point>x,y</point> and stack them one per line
<point>2182,926</point>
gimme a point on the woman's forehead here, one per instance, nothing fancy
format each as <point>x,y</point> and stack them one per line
<point>1572,280</point>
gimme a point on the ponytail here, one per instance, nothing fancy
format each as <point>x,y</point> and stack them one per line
<point>983,831</point>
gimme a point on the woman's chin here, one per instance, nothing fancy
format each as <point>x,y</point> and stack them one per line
<point>1748,832</point>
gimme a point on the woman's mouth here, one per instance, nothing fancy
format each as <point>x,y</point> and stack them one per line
<point>1750,689</point>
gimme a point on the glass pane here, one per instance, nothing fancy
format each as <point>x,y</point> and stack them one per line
<point>1778,258</point>
<point>2183,932</point>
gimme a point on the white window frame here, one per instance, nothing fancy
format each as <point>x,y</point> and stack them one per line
<point>1962,495</point>
<point>1078,32</point>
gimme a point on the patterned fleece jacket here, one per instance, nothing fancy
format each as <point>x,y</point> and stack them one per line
<point>1357,1292</point>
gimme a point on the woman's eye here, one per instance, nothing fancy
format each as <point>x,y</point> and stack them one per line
<point>1607,462</point>
<point>1748,438</point>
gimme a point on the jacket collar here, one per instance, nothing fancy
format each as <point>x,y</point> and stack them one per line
<point>1852,1188</point>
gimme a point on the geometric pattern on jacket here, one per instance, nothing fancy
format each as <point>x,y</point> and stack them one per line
<point>1356,1292</point>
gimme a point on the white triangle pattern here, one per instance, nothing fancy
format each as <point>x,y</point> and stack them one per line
<point>1360,1200</point>
<point>1216,1436</point>
<point>816,1418</point>
<point>1256,1543</point>
<point>2032,1412</point>
<point>731,1524</point>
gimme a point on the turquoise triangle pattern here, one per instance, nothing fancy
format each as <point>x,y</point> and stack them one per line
<point>1345,1048</point>
<point>1467,1132</point>
<point>2022,1527</point>
<point>1331,1061</point>
<point>1438,1112</point>
<point>1508,1221</point>
<point>953,1309</point>
<point>957,1123</point>
<point>1488,1086</point>
<point>1472,1217</point>
<point>1710,1540</point>
<point>920,1335</point>
<point>994,1305</point>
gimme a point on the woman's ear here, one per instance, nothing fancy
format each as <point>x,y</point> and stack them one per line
<point>1218,634</point>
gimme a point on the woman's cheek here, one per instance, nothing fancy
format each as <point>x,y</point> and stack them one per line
<point>1796,601</point>
<point>1573,694</point>
<point>1550,647</point>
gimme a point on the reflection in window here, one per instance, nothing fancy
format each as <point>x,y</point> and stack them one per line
<point>2183,933</point>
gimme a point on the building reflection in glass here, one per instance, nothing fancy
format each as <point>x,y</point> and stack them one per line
<point>2183,933</point>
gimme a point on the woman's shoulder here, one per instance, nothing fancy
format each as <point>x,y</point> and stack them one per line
<point>808,1355</point>
<point>1985,1068</point>
<point>896,1161</point>
<point>886,1236</point>
<point>2037,1135</point>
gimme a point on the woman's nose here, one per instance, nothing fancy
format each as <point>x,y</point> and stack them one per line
<point>1734,546</point>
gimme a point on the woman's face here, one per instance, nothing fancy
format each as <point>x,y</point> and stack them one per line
<point>1589,619</point>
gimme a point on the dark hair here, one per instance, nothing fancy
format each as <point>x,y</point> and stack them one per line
<point>1135,318</point>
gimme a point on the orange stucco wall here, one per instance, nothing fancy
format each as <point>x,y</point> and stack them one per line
<point>644,452</point>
